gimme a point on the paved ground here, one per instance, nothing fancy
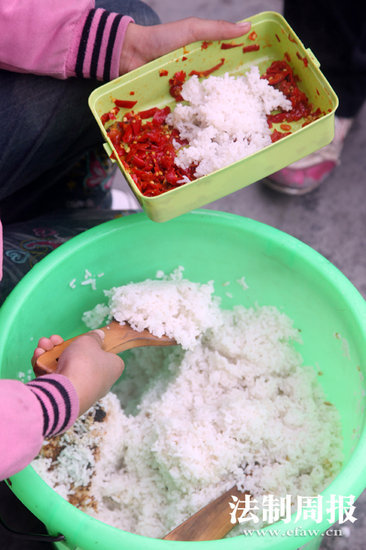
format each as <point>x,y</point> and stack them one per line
<point>332,220</point>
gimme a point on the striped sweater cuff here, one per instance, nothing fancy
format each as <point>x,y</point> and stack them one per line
<point>59,402</point>
<point>98,45</point>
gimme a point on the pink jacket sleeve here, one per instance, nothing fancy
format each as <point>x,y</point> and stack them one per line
<point>30,412</point>
<point>61,39</point>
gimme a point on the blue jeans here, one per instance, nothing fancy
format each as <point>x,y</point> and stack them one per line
<point>46,126</point>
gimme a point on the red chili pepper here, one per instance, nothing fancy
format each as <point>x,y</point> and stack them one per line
<point>125,103</point>
<point>104,118</point>
<point>139,162</point>
<point>276,135</point>
<point>229,45</point>
<point>251,48</point>
<point>163,72</point>
<point>208,71</point>
<point>136,125</point>
<point>205,45</point>
<point>149,156</point>
<point>280,75</point>
<point>160,116</point>
<point>148,113</point>
<point>111,115</point>
<point>171,176</point>
<point>127,134</point>
<point>176,84</point>
<point>252,36</point>
<point>303,59</point>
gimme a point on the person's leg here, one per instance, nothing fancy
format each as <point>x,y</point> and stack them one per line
<point>27,243</point>
<point>46,127</point>
<point>336,33</point>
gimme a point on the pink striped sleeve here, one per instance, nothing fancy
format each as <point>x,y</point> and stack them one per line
<point>58,400</point>
<point>97,45</point>
<point>28,413</point>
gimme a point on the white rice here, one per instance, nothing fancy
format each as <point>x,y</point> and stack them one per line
<point>237,406</point>
<point>160,305</point>
<point>224,119</point>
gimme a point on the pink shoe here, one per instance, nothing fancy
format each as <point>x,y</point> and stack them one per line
<point>307,174</point>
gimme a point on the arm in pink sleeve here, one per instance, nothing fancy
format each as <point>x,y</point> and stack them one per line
<point>97,45</point>
<point>30,412</point>
<point>61,39</point>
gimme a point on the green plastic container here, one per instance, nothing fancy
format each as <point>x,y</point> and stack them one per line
<point>279,270</point>
<point>276,40</point>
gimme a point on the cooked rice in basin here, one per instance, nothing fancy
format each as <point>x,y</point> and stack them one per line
<point>232,404</point>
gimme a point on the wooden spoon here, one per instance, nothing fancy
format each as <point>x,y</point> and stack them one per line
<point>212,522</point>
<point>117,338</point>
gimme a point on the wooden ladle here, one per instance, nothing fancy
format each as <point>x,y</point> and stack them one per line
<point>117,338</point>
<point>212,522</point>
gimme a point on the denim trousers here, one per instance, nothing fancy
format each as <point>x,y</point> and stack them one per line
<point>47,126</point>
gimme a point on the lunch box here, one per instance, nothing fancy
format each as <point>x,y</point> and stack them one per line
<point>270,39</point>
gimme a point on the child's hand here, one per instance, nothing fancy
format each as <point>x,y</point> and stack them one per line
<point>91,370</point>
<point>145,43</point>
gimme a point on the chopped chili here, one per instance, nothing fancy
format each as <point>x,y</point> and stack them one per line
<point>280,75</point>
<point>205,45</point>
<point>111,115</point>
<point>228,45</point>
<point>303,59</point>
<point>208,71</point>
<point>146,150</point>
<point>276,135</point>
<point>148,113</point>
<point>124,103</point>
<point>251,48</point>
<point>176,84</point>
<point>252,36</point>
<point>163,72</point>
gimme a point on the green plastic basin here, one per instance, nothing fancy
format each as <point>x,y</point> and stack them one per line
<point>279,270</point>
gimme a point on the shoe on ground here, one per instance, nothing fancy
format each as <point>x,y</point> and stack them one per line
<point>308,173</point>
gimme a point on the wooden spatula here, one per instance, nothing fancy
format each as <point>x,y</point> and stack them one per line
<point>211,522</point>
<point>117,338</point>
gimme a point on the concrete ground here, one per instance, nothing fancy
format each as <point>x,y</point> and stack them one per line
<point>331,219</point>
